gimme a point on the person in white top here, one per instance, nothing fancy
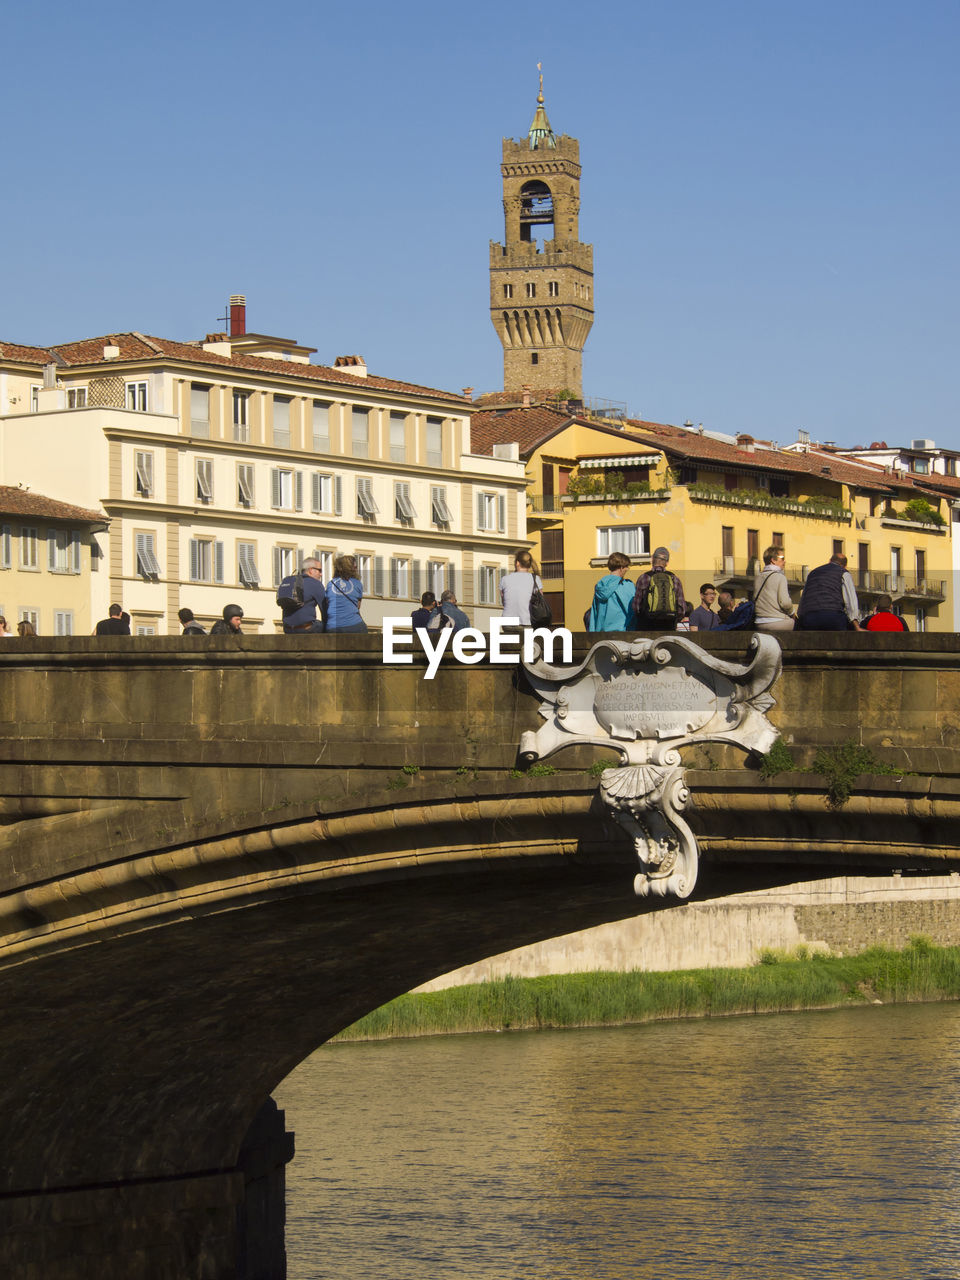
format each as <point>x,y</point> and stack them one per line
<point>771,596</point>
<point>4,629</point>
<point>516,588</point>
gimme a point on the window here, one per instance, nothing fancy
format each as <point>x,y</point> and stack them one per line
<point>950,465</point>
<point>399,578</point>
<point>553,288</point>
<point>206,560</point>
<point>367,508</point>
<point>398,437</point>
<point>199,410</point>
<point>28,549</point>
<point>63,551</point>
<point>753,549</point>
<point>147,565</point>
<point>143,464</point>
<point>439,511</point>
<point>534,357</point>
<point>491,513</point>
<point>551,553</point>
<point>145,629</point>
<point>63,622</point>
<point>531,290</point>
<point>365,572</point>
<point>508,290</point>
<point>726,542</point>
<point>486,584</point>
<point>776,540</point>
<point>6,547</point>
<point>29,615</point>
<point>286,489</point>
<point>136,396</point>
<point>434,442</point>
<point>286,560</point>
<point>35,390</point>
<point>436,577</point>
<point>360,420</point>
<point>687,475</point>
<point>895,566</point>
<point>321,426</point>
<point>326,563</point>
<point>247,564</point>
<point>631,539</point>
<point>921,466</point>
<point>326,491</point>
<point>204,479</point>
<point>920,623</point>
<point>838,546</point>
<point>281,422</point>
<point>76,399</point>
<point>921,559</point>
<point>241,427</point>
<point>245,489</point>
<point>403,507</point>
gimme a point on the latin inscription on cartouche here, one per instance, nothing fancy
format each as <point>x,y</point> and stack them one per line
<point>659,703</point>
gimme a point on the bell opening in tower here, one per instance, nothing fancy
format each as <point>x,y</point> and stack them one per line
<point>536,212</point>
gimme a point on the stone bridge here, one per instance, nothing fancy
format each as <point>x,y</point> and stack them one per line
<point>218,852</point>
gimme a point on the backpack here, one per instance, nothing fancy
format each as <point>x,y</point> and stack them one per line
<point>290,594</point>
<point>741,619</point>
<point>660,602</point>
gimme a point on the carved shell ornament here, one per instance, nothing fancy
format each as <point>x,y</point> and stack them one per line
<point>647,699</point>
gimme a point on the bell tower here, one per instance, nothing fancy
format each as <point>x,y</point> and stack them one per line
<point>541,278</point>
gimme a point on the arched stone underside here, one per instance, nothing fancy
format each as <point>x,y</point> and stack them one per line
<point>184,916</point>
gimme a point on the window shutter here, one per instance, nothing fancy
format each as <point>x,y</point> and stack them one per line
<point>378,576</point>
<point>74,551</point>
<point>501,513</point>
<point>451,579</point>
<point>481,525</point>
<point>417,587</point>
<point>337,496</point>
<point>51,549</point>
<point>6,547</point>
<point>277,567</point>
<point>315,492</point>
<point>275,486</point>
<point>218,562</point>
<point>298,490</point>
<point>194,560</point>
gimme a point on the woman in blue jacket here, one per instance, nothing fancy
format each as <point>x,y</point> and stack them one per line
<point>344,592</point>
<point>612,608</point>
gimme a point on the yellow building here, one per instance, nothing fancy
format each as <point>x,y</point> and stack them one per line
<point>597,486</point>
<point>220,463</point>
<point>48,560</point>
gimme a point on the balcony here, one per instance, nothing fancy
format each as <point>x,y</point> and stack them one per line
<point>546,504</point>
<point>739,572</point>
<point>760,500</point>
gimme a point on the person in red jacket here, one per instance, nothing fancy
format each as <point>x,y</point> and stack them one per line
<point>884,619</point>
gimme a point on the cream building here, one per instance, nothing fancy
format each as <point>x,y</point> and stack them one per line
<point>220,463</point>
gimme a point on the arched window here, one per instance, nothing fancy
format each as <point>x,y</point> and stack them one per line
<point>536,210</point>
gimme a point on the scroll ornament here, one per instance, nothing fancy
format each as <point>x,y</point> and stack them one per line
<point>648,699</point>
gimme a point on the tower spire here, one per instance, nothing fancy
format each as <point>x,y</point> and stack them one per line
<point>541,135</point>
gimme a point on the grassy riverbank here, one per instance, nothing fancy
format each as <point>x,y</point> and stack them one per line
<point>778,983</point>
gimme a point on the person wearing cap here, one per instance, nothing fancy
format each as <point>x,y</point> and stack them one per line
<point>229,624</point>
<point>658,603</point>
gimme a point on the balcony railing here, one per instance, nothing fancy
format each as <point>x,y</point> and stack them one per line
<point>545,503</point>
<point>763,501</point>
<point>867,581</point>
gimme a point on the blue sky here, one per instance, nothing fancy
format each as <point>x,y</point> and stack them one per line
<point>771,190</point>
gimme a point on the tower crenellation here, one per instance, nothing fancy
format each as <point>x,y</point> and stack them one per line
<point>541,277</point>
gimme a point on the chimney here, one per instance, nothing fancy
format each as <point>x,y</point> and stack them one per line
<point>238,315</point>
<point>467,392</point>
<point>352,364</point>
<point>745,442</point>
<point>526,395</point>
<point>111,351</point>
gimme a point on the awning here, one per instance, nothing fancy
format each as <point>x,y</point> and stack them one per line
<point>628,460</point>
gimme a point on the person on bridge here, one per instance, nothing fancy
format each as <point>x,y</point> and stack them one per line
<point>771,596</point>
<point>884,619</point>
<point>452,612</point>
<point>5,631</point>
<point>703,618</point>
<point>191,627</point>
<point>516,588</point>
<point>117,623</point>
<point>229,624</point>
<point>726,603</point>
<point>344,593</point>
<point>658,603</point>
<point>305,586</point>
<point>428,615</point>
<point>829,600</point>
<point>612,608</point>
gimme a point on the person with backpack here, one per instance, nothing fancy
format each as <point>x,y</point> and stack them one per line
<point>300,597</point>
<point>521,588</point>
<point>658,603</point>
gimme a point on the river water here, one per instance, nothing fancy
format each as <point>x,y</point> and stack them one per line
<point>762,1148</point>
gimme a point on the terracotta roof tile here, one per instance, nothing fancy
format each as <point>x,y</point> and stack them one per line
<point>28,355</point>
<point>21,502</point>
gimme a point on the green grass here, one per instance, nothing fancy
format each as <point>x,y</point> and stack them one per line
<point>779,982</point>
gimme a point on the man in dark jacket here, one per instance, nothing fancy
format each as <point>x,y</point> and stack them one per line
<point>426,615</point>
<point>829,600</point>
<point>229,624</point>
<point>191,627</point>
<point>309,617</point>
<point>117,624</point>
